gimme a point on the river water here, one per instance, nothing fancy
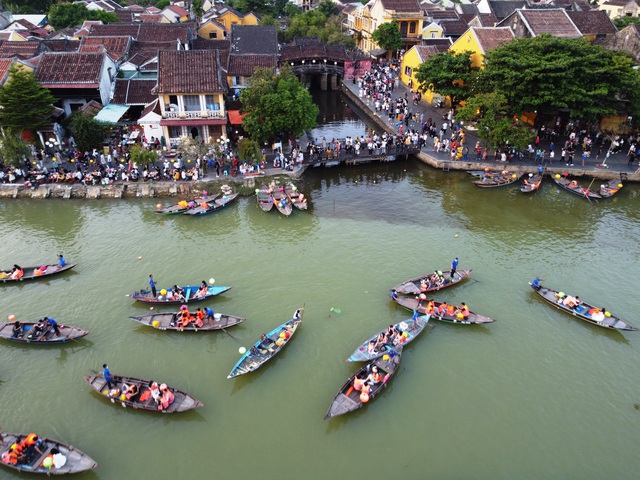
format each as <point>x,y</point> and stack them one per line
<point>536,395</point>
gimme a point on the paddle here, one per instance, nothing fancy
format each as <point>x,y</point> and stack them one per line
<point>589,188</point>
<point>222,328</point>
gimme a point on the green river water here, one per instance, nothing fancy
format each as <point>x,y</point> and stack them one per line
<point>535,395</point>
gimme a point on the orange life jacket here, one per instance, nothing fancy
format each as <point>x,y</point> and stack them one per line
<point>450,309</point>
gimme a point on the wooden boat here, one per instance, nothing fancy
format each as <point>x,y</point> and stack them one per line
<point>217,204</point>
<point>166,321</point>
<point>412,286</point>
<point>282,201</point>
<point>30,272</point>
<point>491,181</point>
<point>573,187</point>
<point>610,188</point>
<point>294,195</point>
<point>584,311</point>
<point>262,351</point>
<point>185,205</point>
<point>411,303</point>
<point>349,399</point>
<point>265,200</point>
<point>411,327</point>
<point>46,337</point>
<point>189,292</point>
<point>143,399</point>
<point>531,184</point>
<point>65,458</point>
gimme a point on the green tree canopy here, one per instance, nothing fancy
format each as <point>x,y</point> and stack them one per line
<point>13,149</point>
<point>141,156</point>
<point>496,125</point>
<point>316,24</point>
<point>248,150</point>
<point>24,104</point>
<point>262,7</point>
<point>547,73</point>
<point>291,10</point>
<point>63,15</point>
<point>449,74</point>
<point>28,6</point>
<point>328,8</point>
<point>87,131</point>
<point>387,35</point>
<point>197,8</point>
<point>625,21</point>
<point>276,104</point>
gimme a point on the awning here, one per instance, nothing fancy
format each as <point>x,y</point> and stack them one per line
<point>112,113</point>
<point>235,117</point>
<point>377,52</point>
<point>193,122</point>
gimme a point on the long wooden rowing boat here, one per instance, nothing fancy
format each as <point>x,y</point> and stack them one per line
<point>142,400</point>
<point>189,294</point>
<point>209,207</point>
<point>583,311</point>
<point>349,399</point>
<point>63,458</point>
<point>264,350</point>
<point>282,201</point>
<point>573,187</point>
<point>414,286</point>
<point>185,205</point>
<point>265,200</point>
<point>407,331</point>
<point>46,337</point>
<point>167,321</point>
<point>296,197</point>
<point>531,183</point>
<point>411,303</point>
<point>610,188</point>
<point>30,272</point>
<point>492,181</point>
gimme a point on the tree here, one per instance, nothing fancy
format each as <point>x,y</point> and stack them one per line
<point>308,24</point>
<point>24,104</point>
<point>262,7</point>
<point>449,74</point>
<point>268,20</point>
<point>63,15</point>
<point>547,73</point>
<point>13,150</point>
<point>87,131</point>
<point>276,104</point>
<point>496,125</point>
<point>28,6</point>
<point>248,150</point>
<point>328,8</point>
<point>162,4</point>
<point>291,10</point>
<point>625,21</point>
<point>141,156</point>
<point>387,35</point>
<point>197,8</point>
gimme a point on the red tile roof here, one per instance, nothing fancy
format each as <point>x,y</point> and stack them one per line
<point>70,68</point>
<point>426,51</point>
<point>593,22</point>
<point>151,17</point>
<point>555,22</point>
<point>190,71</point>
<point>178,10</point>
<point>402,5</point>
<point>146,32</point>
<point>134,92</point>
<point>492,37</point>
<point>244,65</point>
<point>117,47</point>
<point>22,50</point>
<point>5,65</point>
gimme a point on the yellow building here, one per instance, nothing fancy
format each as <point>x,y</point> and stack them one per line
<point>480,40</point>
<point>212,30</point>
<point>411,60</point>
<point>433,30</point>
<point>620,8</point>
<point>228,16</point>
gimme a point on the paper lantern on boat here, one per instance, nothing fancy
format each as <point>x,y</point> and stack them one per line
<point>47,462</point>
<point>423,296</point>
<point>607,314</point>
<point>204,193</point>
<point>163,292</point>
<point>364,397</point>
<point>287,335</point>
<point>155,324</point>
<point>159,206</point>
<point>530,175</point>
<point>105,392</point>
<point>514,176</point>
<point>460,316</point>
<point>123,397</point>
<point>11,318</point>
<point>486,169</point>
<point>242,350</point>
<point>212,281</point>
<point>281,335</point>
<point>557,175</point>
<point>620,185</point>
<point>405,334</point>
<point>385,357</point>
<point>257,191</point>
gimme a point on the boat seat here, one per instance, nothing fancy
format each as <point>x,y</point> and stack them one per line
<point>35,462</point>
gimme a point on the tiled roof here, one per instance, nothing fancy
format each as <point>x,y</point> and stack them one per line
<point>442,44</point>
<point>487,19</point>
<point>141,52</point>
<point>467,8</point>
<point>254,39</point>
<point>146,32</point>
<point>152,9</point>
<point>466,17</point>
<point>594,22</point>
<point>244,65</point>
<point>555,22</point>
<point>446,14</point>
<point>133,91</point>
<point>204,44</point>
<point>92,49</point>
<point>62,45</point>
<point>125,16</point>
<point>503,8</point>
<point>492,37</point>
<point>454,28</point>
<point>152,107</point>
<point>115,30</point>
<point>22,50</point>
<point>426,51</point>
<point>25,24</point>
<point>178,10</point>
<point>117,47</point>
<point>66,68</point>
<point>401,5</point>
<point>5,65</point>
<point>151,17</point>
<point>307,47</point>
<point>190,71</point>
<point>135,8</point>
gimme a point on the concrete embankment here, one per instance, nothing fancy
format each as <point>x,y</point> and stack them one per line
<point>446,164</point>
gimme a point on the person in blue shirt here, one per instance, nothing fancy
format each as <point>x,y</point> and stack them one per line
<point>540,169</point>
<point>536,283</point>
<point>53,325</point>
<point>208,313</point>
<point>61,261</point>
<point>393,295</point>
<point>152,284</point>
<point>454,266</point>
<point>107,375</point>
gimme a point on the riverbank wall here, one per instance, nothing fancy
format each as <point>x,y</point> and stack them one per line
<point>447,165</point>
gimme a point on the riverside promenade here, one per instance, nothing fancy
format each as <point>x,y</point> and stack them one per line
<point>617,163</point>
